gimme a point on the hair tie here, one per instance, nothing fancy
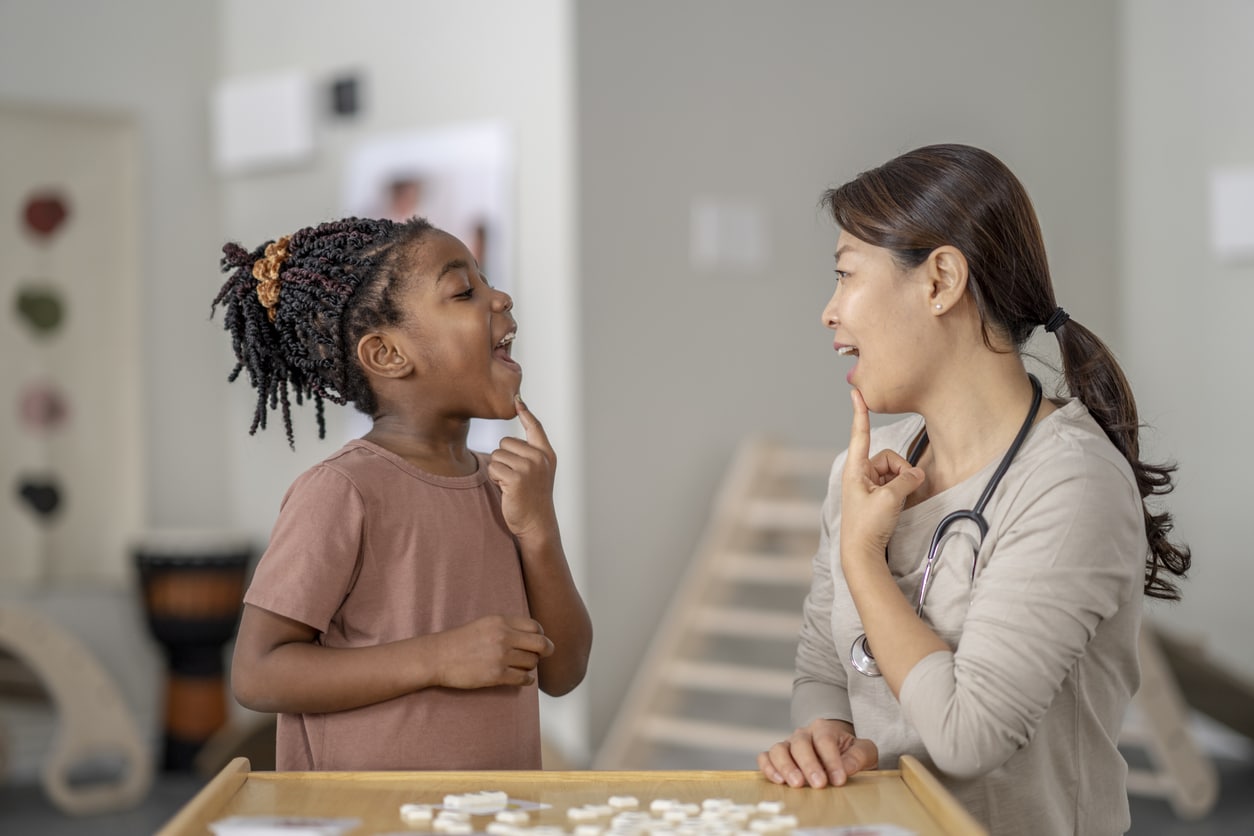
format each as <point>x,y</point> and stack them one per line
<point>1056,320</point>
<point>266,272</point>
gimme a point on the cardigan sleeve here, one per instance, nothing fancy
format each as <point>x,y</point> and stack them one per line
<point>1068,555</point>
<point>820,687</point>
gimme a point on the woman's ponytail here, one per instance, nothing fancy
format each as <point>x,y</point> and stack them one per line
<point>1093,375</point>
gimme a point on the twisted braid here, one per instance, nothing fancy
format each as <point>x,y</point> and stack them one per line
<point>337,281</point>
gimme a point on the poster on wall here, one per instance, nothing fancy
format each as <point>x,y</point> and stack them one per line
<point>458,177</point>
<point>70,443</point>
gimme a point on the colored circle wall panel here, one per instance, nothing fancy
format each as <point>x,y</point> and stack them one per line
<point>71,445</point>
<point>40,494</point>
<point>45,213</point>
<point>43,408</point>
<point>40,306</point>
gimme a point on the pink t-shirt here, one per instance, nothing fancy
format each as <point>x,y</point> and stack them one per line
<point>369,549</point>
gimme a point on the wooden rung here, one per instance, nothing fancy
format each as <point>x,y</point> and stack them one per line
<point>733,679</point>
<point>781,570</point>
<point>1216,691</point>
<point>757,547</point>
<point>715,736</point>
<point>801,461</point>
<point>1148,783</point>
<point>1135,736</point>
<point>1181,772</point>
<point>736,621</point>
<point>782,514</point>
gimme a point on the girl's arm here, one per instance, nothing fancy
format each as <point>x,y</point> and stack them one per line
<point>524,471</point>
<point>555,603</point>
<point>278,666</point>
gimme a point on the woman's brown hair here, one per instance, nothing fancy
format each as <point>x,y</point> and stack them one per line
<point>967,198</point>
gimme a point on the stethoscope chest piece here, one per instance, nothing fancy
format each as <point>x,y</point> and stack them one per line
<point>861,659</point>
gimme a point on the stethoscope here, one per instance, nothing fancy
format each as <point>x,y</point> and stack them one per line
<point>860,654</point>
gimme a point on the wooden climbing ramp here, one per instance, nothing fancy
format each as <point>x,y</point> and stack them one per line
<point>713,689</point>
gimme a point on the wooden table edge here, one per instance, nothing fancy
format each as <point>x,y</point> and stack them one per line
<point>949,814</point>
<point>212,795</point>
<point>931,794</point>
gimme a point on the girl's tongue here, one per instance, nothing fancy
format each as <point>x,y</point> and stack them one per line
<point>502,353</point>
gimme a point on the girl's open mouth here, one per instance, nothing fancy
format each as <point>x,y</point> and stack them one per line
<point>503,348</point>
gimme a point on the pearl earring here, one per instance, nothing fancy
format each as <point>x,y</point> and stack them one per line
<point>938,306</point>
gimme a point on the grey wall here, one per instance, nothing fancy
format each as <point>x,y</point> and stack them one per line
<point>771,103</point>
<point>1186,314</point>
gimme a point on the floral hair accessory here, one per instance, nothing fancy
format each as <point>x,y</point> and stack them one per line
<point>266,272</point>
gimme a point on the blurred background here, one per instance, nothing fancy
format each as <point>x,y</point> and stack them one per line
<point>656,168</point>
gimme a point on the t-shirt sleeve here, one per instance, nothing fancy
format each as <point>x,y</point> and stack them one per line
<point>313,556</point>
<point>819,688</point>
<point>1069,556</point>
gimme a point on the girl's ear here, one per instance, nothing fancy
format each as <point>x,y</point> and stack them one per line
<point>947,274</point>
<point>379,355</point>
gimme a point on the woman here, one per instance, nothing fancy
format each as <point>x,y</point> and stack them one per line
<point>1022,518</point>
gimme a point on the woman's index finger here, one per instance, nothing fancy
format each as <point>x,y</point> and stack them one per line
<point>860,431</point>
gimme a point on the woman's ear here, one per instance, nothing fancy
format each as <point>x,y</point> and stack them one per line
<point>380,355</point>
<point>947,275</point>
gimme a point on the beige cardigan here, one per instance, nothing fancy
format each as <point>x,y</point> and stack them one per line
<point>1021,720</point>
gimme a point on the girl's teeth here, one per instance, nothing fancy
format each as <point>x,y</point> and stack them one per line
<point>844,350</point>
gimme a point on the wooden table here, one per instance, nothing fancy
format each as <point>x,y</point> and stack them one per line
<point>909,797</point>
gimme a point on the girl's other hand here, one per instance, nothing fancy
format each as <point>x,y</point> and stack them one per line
<point>824,752</point>
<point>493,650</point>
<point>524,472</point>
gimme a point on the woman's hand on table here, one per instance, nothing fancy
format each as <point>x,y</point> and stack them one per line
<point>824,752</point>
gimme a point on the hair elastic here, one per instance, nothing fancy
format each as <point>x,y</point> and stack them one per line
<point>266,272</point>
<point>1056,320</point>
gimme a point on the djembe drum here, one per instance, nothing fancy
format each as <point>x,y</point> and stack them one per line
<point>193,588</point>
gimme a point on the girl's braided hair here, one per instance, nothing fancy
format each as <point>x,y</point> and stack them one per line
<point>296,309</point>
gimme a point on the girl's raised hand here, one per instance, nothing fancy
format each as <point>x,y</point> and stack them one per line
<point>524,472</point>
<point>873,490</point>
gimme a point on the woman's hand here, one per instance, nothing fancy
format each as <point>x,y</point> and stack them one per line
<point>873,490</point>
<point>824,752</point>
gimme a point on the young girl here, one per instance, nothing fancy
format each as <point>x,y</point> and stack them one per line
<point>414,593</point>
<point>977,592</point>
